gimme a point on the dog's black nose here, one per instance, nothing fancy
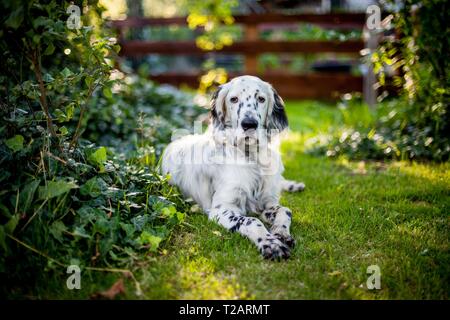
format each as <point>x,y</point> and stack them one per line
<point>249,123</point>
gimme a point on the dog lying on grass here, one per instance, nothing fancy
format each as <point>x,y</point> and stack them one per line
<point>234,168</point>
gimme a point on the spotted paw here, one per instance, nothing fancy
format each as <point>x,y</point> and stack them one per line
<point>273,249</point>
<point>286,239</point>
<point>296,187</point>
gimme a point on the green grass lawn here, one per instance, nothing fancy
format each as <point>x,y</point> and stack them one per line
<point>352,215</point>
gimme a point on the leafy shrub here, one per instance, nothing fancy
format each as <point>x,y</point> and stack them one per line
<point>135,109</point>
<point>416,125</point>
<point>389,132</point>
<point>63,199</point>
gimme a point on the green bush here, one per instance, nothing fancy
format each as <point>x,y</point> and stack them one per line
<point>136,110</point>
<point>63,199</point>
<point>416,125</point>
<point>389,132</point>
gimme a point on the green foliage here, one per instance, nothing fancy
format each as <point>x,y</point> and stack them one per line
<point>138,111</point>
<point>213,16</point>
<point>310,32</point>
<point>64,199</point>
<point>420,123</point>
<point>416,125</point>
<point>15,143</point>
<point>55,188</point>
<point>389,132</point>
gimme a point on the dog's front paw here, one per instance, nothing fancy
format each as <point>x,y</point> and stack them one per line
<point>273,249</point>
<point>286,239</point>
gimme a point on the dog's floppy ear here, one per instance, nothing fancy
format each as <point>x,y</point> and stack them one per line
<point>277,119</point>
<point>218,108</point>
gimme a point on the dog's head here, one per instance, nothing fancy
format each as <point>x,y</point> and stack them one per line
<point>246,105</point>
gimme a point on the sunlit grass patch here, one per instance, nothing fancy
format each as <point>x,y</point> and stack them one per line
<point>199,280</point>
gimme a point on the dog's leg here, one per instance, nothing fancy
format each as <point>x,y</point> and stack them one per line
<point>292,186</point>
<point>279,218</point>
<point>230,216</point>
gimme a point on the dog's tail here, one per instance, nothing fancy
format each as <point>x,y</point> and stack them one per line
<point>292,186</point>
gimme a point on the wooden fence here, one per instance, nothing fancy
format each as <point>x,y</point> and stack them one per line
<point>312,85</point>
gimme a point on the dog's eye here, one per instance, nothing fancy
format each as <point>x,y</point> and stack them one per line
<point>261,99</point>
<point>234,99</point>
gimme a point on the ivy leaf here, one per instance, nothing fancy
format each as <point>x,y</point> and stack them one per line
<point>102,225</point>
<point>66,72</point>
<point>48,77</point>
<point>98,157</point>
<point>56,229</point>
<point>107,92</point>
<point>15,143</point>
<point>180,216</point>
<point>5,211</point>
<point>60,115</point>
<point>128,228</point>
<point>140,221</point>
<point>69,111</point>
<point>88,80</point>
<point>49,50</point>
<point>11,225</point>
<point>168,211</point>
<point>81,232</point>
<point>88,214</point>
<point>147,238</point>
<point>37,38</point>
<point>55,188</point>
<point>15,19</point>
<point>93,187</point>
<point>27,195</point>
<point>63,130</point>
<point>41,21</point>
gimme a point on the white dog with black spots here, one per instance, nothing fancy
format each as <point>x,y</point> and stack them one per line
<point>234,168</point>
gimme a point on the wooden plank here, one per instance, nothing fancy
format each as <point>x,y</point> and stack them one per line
<point>357,20</point>
<point>251,60</point>
<point>314,85</point>
<point>307,86</point>
<point>139,22</point>
<point>139,48</point>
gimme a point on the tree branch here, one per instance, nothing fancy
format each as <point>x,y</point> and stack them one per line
<point>43,97</point>
<point>77,133</point>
